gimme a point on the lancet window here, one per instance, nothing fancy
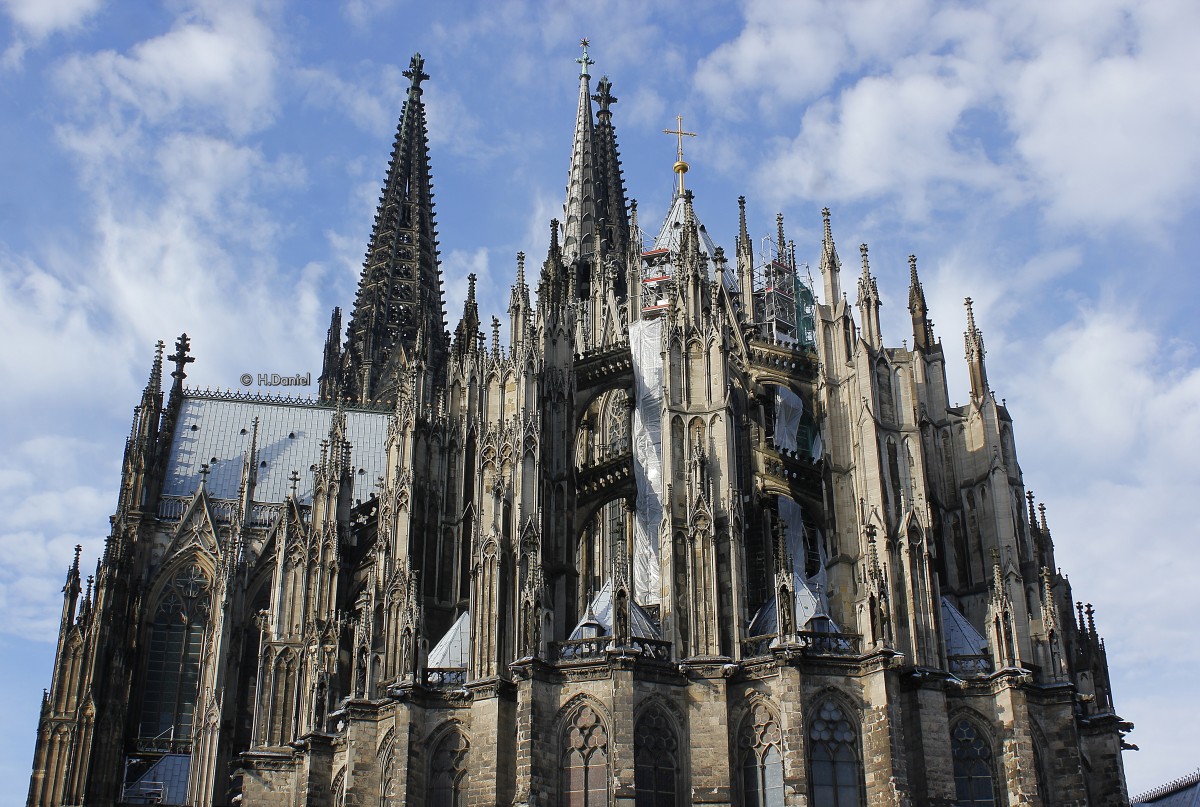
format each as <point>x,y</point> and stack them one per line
<point>448,771</point>
<point>762,759</point>
<point>974,773</point>
<point>585,771</point>
<point>173,659</point>
<point>835,768</point>
<point>656,761</point>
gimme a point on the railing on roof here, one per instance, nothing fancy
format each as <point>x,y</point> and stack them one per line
<point>172,508</point>
<point>969,666</point>
<point>814,642</point>
<point>445,677</point>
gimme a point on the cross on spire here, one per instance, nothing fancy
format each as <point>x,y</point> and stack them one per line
<point>679,133</point>
<point>584,60</point>
<point>680,166</point>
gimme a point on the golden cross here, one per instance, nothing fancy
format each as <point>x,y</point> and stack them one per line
<point>679,133</point>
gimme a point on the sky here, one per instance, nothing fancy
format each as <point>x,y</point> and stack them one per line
<point>212,166</point>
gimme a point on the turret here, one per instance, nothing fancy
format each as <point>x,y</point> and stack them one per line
<point>330,380</point>
<point>745,263</point>
<point>975,353</point>
<point>922,327</point>
<point>518,304</point>
<point>831,266</point>
<point>868,303</point>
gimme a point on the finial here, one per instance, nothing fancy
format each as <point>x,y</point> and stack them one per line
<point>295,480</point>
<point>604,96</point>
<point>495,335</point>
<point>203,473</point>
<point>970,315</point>
<point>155,383</point>
<point>75,564</point>
<point>584,60</point>
<point>866,264</point>
<point>416,72</point>
<point>828,227</point>
<point>1042,513</point>
<point>471,278</point>
<point>1032,513</point>
<point>912,270</point>
<point>554,235</point>
<point>181,357</point>
<point>680,166</point>
<point>520,268</point>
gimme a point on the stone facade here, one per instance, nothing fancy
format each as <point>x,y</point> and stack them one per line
<point>695,535</point>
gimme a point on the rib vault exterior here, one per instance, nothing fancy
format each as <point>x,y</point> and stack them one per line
<point>696,535</point>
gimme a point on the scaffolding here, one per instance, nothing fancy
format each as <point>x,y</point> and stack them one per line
<point>784,305</point>
<point>656,282</point>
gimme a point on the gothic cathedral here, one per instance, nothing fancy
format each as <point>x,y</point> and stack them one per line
<point>695,535</point>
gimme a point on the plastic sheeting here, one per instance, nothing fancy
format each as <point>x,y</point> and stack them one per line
<point>789,408</point>
<point>810,598</point>
<point>454,648</point>
<point>599,616</point>
<point>645,342</point>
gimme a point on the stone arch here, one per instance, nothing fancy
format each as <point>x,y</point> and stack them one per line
<point>586,771</point>
<point>448,746</point>
<point>761,752</point>
<point>973,746</point>
<point>175,620</point>
<point>834,743</point>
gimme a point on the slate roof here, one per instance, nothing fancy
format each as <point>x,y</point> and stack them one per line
<point>640,623</point>
<point>216,429</point>
<point>961,637</point>
<point>1183,792</point>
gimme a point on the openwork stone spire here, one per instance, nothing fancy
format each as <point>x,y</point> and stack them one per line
<point>595,209</point>
<point>400,291</point>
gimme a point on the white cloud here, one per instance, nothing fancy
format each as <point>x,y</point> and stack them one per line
<point>216,61</point>
<point>40,18</point>
<point>1085,107</point>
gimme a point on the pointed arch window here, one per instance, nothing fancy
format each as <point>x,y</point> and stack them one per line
<point>656,761</point>
<point>173,659</point>
<point>448,771</point>
<point>835,769</point>
<point>762,759</point>
<point>974,773</point>
<point>585,762</point>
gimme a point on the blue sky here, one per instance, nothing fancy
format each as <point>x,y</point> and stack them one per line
<point>212,166</point>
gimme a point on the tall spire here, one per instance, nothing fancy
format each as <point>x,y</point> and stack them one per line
<point>610,184</point>
<point>400,291</point>
<point>580,208</point>
<point>975,353</point>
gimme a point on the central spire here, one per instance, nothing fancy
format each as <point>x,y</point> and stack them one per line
<point>399,312</point>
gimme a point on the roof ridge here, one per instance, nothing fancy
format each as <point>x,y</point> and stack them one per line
<point>308,402</point>
<point>1169,788</point>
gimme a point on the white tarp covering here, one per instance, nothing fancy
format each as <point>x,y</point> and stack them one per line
<point>645,342</point>
<point>810,597</point>
<point>789,408</point>
<point>600,613</point>
<point>454,648</point>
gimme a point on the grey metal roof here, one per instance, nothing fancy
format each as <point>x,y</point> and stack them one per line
<point>961,637</point>
<point>672,226</point>
<point>217,429</point>
<point>1183,792</point>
